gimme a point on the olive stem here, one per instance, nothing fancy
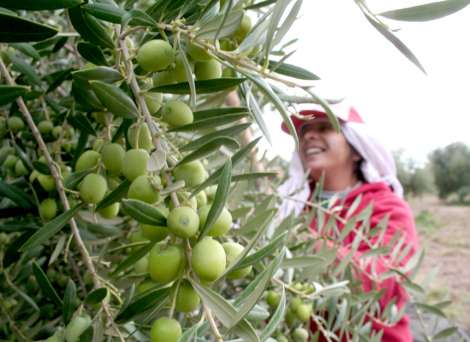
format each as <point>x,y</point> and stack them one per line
<point>212,323</point>
<point>60,189</point>
<point>138,93</point>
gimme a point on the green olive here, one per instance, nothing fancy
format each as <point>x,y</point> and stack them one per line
<point>142,188</point>
<point>155,55</point>
<point>197,53</point>
<point>166,263</point>
<point>20,168</point>
<point>165,329</point>
<point>76,327</point>
<point>110,211</point>
<point>221,226</point>
<point>154,233</point>
<point>15,123</point>
<point>208,70</point>
<point>87,160</point>
<point>177,113</point>
<point>112,156</point>
<point>187,299</point>
<point>144,139</point>
<point>183,222</point>
<point>48,209</point>
<point>45,127</point>
<point>208,259</point>
<point>153,101</point>
<point>192,173</point>
<point>93,188</point>
<point>233,250</point>
<point>135,163</point>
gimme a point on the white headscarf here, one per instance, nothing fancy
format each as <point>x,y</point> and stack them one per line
<point>377,165</point>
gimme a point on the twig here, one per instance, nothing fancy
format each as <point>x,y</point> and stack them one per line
<point>212,323</point>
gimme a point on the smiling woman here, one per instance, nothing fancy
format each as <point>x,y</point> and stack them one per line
<point>357,173</point>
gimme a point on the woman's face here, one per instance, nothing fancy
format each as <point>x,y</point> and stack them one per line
<point>322,149</point>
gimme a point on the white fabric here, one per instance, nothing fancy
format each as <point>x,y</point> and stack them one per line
<point>378,165</point>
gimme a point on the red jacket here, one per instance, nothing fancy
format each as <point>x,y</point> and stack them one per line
<point>385,202</point>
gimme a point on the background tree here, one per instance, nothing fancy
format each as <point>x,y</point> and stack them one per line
<point>451,168</point>
<point>416,180</point>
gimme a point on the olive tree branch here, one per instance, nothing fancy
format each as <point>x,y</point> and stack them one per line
<point>60,189</point>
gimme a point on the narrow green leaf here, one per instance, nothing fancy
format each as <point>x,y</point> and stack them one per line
<point>92,53</point>
<point>211,122</point>
<point>81,122</point>
<point>45,284</point>
<point>132,258</point>
<point>225,312</point>
<point>143,212</point>
<point>391,38</point>
<point>16,194</point>
<point>188,335</point>
<point>255,109</point>
<point>236,158</point>
<point>115,100</point>
<point>431,308</point>
<point>425,12</point>
<point>221,26</point>
<point>303,261</point>
<point>276,318</point>
<point>96,296</point>
<point>89,28</point>
<point>105,11</point>
<point>218,112</point>
<point>260,4</point>
<point>188,70</point>
<point>258,219</point>
<point>253,292</point>
<point>39,5</point>
<point>26,69</point>
<point>11,93</point>
<point>85,97</point>
<point>101,73</point>
<point>202,87</point>
<point>15,29</point>
<point>73,179</point>
<point>210,147</point>
<point>220,198</point>
<point>50,229</point>
<point>279,9</point>
<point>288,22</point>
<point>230,131</point>
<point>114,196</point>
<point>27,49</point>
<point>57,78</point>
<point>142,304</point>
<point>137,17</point>
<point>252,175</point>
<point>70,299</point>
<point>292,71</point>
<point>262,253</point>
<point>447,332</point>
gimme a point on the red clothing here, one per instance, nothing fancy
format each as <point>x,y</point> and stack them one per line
<point>385,202</point>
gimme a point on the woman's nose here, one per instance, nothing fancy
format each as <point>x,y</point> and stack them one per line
<point>311,134</point>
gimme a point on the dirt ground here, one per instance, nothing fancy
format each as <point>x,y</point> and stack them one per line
<point>444,231</point>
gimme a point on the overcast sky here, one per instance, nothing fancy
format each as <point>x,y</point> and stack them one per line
<point>408,109</point>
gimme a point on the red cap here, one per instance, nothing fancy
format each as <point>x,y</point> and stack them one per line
<point>350,115</point>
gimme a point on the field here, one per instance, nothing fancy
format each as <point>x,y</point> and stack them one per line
<point>444,231</point>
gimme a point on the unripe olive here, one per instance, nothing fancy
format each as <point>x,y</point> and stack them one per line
<point>281,338</point>
<point>153,101</point>
<point>76,327</point>
<point>142,189</point>
<point>166,263</point>
<point>135,163</point>
<point>87,160</point>
<point>101,117</point>
<point>294,304</point>
<point>208,70</point>
<point>3,127</point>
<point>57,131</point>
<point>45,127</point>
<point>290,318</point>
<point>155,55</point>
<point>183,222</point>
<point>154,233</point>
<point>113,156</point>
<point>177,113</point>
<point>244,28</point>
<point>232,250</point>
<point>300,335</point>
<point>48,209</point>
<point>303,312</point>
<point>10,161</point>
<point>93,188</point>
<point>273,299</point>
<point>47,181</point>
<point>208,259</point>
<point>110,211</point>
<point>15,123</point>
<point>137,236</point>
<point>180,71</point>
<point>144,139</point>
<point>165,329</point>
<point>187,299</point>
<point>145,285</point>
<point>192,173</point>
<point>141,266</point>
<point>201,199</point>
<point>197,53</point>
<point>98,144</point>
<point>20,169</point>
<point>221,225</point>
